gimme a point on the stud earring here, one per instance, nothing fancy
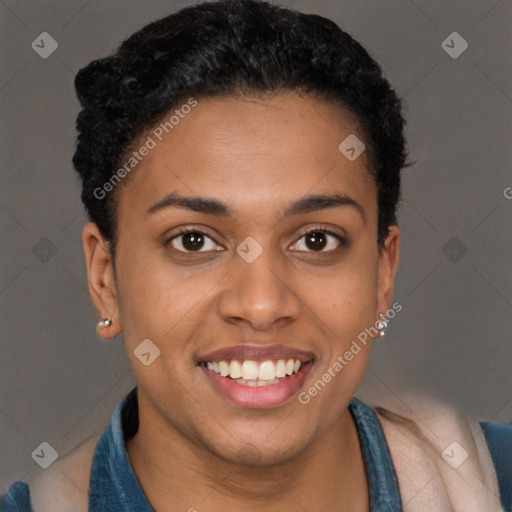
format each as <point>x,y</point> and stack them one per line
<point>106,322</point>
<point>382,324</point>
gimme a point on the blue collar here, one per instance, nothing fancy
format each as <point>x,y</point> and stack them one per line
<point>114,486</point>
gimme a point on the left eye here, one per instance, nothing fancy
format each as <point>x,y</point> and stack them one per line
<point>193,241</point>
<point>320,240</point>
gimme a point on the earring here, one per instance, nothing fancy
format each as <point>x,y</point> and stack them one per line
<point>382,324</point>
<point>106,322</point>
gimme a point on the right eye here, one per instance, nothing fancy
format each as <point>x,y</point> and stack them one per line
<point>192,240</point>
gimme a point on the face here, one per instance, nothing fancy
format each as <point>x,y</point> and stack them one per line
<point>264,275</point>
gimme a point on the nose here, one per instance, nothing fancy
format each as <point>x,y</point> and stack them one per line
<point>260,293</point>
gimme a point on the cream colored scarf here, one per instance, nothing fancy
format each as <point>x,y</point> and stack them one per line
<point>441,459</point>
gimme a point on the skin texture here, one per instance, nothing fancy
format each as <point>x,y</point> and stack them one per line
<point>194,448</point>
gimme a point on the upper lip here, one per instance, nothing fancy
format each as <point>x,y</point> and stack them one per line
<point>257,353</point>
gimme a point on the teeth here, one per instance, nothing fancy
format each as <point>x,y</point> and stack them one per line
<point>249,370</point>
<point>235,369</point>
<point>280,369</point>
<point>256,383</point>
<point>224,368</point>
<point>252,373</point>
<point>267,370</point>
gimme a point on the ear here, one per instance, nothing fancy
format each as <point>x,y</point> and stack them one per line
<point>101,279</point>
<point>388,264</point>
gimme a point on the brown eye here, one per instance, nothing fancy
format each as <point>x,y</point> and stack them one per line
<point>316,240</point>
<point>320,240</point>
<point>193,241</point>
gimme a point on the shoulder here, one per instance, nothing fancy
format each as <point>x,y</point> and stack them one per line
<point>16,499</point>
<point>64,485</point>
<point>499,440</point>
<point>498,434</point>
<point>439,456</point>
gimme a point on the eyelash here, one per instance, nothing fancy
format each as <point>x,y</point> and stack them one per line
<point>342,240</point>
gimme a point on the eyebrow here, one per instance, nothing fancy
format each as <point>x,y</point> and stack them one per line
<point>214,207</point>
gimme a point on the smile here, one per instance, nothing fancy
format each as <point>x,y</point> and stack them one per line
<point>255,374</point>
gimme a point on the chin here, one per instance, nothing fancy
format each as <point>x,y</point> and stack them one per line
<point>260,453</point>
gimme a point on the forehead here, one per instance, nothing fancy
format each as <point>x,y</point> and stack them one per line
<point>248,152</point>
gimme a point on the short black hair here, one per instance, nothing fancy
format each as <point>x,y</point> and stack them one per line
<point>229,48</point>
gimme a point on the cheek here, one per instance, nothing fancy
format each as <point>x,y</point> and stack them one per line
<point>344,308</point>
<point>344,305</point>
<point>159,300</point>
<point>345,297</point>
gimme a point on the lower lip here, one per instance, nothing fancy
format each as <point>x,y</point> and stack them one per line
<point>258,397</point>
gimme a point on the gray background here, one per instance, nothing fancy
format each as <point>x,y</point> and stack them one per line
<point>60,383</point>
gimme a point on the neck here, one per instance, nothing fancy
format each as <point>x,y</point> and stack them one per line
<point>176,474</point>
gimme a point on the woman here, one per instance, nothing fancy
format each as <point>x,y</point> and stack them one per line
<point>241,168</point>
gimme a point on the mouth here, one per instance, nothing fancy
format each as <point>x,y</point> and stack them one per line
<point>257,377</point>
<point>253,374</point>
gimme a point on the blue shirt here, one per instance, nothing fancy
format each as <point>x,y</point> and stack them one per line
<point>115,488</point>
